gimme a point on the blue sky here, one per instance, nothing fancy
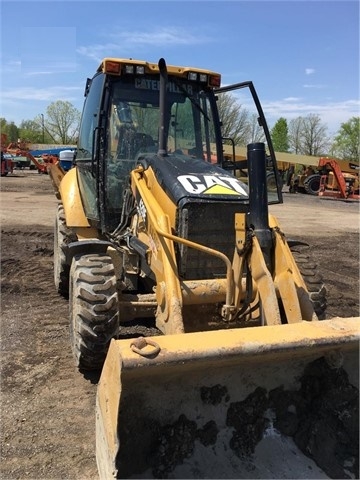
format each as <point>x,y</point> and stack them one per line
<point>303,56</point>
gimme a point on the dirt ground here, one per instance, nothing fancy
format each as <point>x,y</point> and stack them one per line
<point>47,406</point>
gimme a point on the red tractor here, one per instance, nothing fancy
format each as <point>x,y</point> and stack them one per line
<point>7,165</point>
<point>20,148</point>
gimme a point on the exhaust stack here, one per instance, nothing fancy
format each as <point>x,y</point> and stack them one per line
<point>163,108</point>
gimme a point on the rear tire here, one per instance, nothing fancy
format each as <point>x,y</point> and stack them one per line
<point>312,278</point>
<point>312,184</point>
<point>62,237</point>
<point>94,317</point>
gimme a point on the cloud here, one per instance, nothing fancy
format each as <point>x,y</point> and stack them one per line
<point>12,66</point>
<point>159,37</point>
<point>98,52</point>
<point>135,39</point>
<point>291,99</point>
<point>18,104</point>
<point>315,85</point>
<point>51,68</point>
<point>32,94</point>
<point>40,72</point>
<point>331,113</point>
<point>309,71</point>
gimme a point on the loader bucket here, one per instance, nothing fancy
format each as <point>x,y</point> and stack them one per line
<point>235,403</point>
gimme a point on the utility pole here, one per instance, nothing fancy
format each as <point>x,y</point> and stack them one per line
<point>43,128</point>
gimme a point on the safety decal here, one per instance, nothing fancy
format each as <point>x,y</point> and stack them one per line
<point>212,185</point>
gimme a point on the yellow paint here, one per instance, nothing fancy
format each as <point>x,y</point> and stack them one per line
<point>153,68</point>
<point>219,190</point>
<point>70,196</point>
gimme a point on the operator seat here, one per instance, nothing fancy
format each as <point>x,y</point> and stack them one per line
<point>144,141</point>
<point>131,143</point>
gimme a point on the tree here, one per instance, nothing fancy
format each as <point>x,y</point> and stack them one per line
<point>62,122</point>
<point>31,131</point>
<point>256,132</point>
<point>308,136</point>
<point>234,118</point>
<point>238,123</point>
<point>13,132</point>
<point>280,136</point>
<point>10,130</point>
<point>60,126</point>
<point>295,128</point>
<point>347,141</point>
<point>3,126</point>
<point>314,139</point>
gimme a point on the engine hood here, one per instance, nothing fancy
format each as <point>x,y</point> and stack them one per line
<point>184,177</point>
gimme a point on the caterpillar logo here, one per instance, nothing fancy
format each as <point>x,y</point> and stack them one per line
<point>153,84</point>
<point>212,185</point>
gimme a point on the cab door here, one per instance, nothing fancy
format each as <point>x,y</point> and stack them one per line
<point>251,128</point>
<point>88,151</point>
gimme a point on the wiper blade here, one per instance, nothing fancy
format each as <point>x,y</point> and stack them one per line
<point>192,100</point>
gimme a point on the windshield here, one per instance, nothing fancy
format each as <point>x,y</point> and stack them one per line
<point>134,118</point>
<point>133,127</point>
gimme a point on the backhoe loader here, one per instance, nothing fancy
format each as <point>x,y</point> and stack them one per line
<point>185,292</point>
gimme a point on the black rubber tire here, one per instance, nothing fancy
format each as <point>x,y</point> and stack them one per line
<point>271,182</point>
<point>313,279</point>
<point>312,184</point>
<point>94,309</point>
<point>62,237</point>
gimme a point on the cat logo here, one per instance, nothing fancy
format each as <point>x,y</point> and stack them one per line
<point>152,84</point>
<point>212,185</point>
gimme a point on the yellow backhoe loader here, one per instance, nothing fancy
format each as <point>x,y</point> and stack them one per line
<point>204,319</point>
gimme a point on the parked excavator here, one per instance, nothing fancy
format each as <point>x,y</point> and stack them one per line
<point>203,318</point>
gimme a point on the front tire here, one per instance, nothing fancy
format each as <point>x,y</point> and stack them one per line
<point>94,316</point>
<point>312,184</point>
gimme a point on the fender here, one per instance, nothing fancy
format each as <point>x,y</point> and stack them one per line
<point>84,247</point>
<point>71,199</point>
